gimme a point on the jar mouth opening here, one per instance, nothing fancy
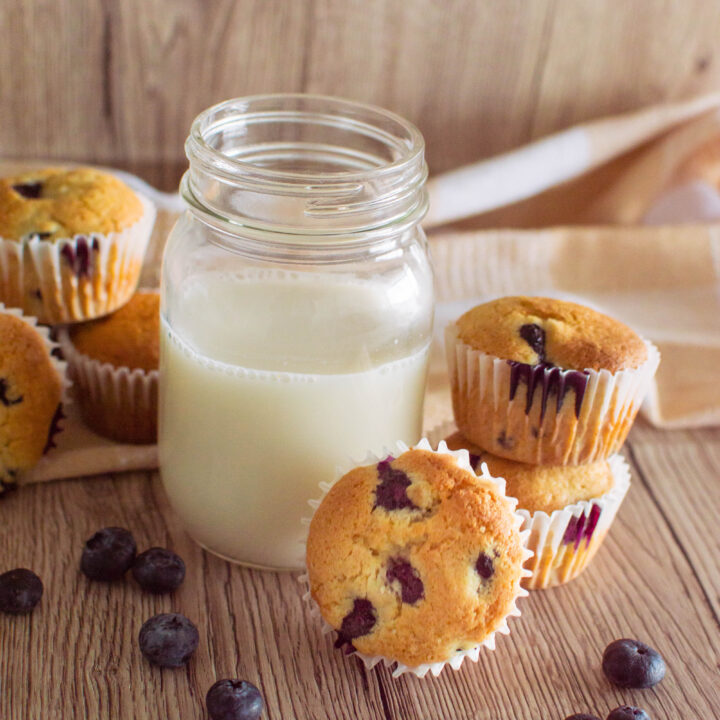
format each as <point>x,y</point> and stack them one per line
<point>213,130</point>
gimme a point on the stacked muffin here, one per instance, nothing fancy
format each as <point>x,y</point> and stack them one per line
<point>545,392</point>
<point>72,243</point>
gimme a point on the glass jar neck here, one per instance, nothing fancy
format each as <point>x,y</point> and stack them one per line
<point>305,170</point>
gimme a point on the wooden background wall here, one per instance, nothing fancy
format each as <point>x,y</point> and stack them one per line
<point>119,81</point>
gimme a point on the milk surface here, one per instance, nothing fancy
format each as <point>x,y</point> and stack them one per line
<point>268,384</point>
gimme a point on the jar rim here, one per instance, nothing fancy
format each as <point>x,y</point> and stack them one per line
<point>198,145</point>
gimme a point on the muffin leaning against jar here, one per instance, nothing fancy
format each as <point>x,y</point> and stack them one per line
<point>114,365</point>
<point>72,242</point>
<point>32,385</point>
<point>415,560</point>
<point>568,509</point>
<point>545,381</point>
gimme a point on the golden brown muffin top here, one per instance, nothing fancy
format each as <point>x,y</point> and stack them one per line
<point>541,487</point>
<point>129,337</point>
<point>414,558</point>
<point>535,330</point>
<point>30,394</point>
<point>59,203</point>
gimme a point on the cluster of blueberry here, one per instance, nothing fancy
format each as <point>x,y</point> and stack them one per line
<point>168,639</point>
<point>629,664</point>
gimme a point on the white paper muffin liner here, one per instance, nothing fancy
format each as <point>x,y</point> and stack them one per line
<point>456,660</point>
<point>60,365</point>
<point>486,415</point>
<point>555,562</point>
<point>113,397</point>
<point>39,275</point>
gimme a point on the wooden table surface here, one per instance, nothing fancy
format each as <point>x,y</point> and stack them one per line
<point>656,578</point>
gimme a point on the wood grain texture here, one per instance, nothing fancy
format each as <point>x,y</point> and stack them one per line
<point>657,577</point>
<point>119,83</point>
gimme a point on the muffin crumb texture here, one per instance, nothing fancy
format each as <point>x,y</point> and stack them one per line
<point>414,558</point>
<point>537,331</point>
<point>128,338</point>
<point>60,203</point>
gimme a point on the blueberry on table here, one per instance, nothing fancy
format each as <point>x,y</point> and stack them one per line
<point>632,664</point>
<point>159,570</point>
<point>234,700</point>
<point>20,591</point>
<point>626,712</point>
<point>108,554</point>
<point>168,640</point>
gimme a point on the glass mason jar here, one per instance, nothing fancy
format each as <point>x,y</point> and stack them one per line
<point>297,306</point>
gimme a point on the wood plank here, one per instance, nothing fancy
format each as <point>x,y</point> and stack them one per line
<point>119,83</point>
<point>77,657</point>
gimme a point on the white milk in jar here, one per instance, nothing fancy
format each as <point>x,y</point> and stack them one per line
<point>248,430</point>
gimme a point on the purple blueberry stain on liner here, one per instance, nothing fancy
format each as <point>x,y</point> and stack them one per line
<point>78,258</point>
<point>391,491</point>
<point>411,586</point>
<point>551,379</point>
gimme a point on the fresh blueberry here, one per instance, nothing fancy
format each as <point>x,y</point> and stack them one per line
<point>20,591</point>
<point>632,664</point>
<point>158,570</point>
<point>168,640</point>
<point>391,491</point>
<point>485,566</point>
<point>108,554</point>
<point>582,716</point>
<point>411,586</point>
<point>31,191</point>
<point>234,700</point>
<point>626,712</point>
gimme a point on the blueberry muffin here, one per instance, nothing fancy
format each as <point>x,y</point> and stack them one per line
<point>414,558</point>
<point>114,366</point>
<point>72,242</point>
<point>545,381</point>
<point>568,509</point>
<point>31,390</point>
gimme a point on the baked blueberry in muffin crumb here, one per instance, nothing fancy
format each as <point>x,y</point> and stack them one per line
<point>30,191</point>
<point>411,586</point>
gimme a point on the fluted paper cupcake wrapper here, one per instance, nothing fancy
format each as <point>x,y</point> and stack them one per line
<point>60,365</point>
<point>75,279</point>
<point>110,396</point>
<point>481,385</point>
<point>566,540</point>
<point>555,561</point>
<point>456,660</point>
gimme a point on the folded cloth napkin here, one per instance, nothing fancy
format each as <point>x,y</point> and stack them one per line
<point>622,214</point>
